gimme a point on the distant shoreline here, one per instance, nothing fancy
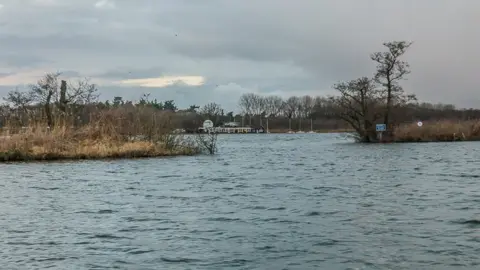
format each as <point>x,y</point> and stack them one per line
<point>285,131</point>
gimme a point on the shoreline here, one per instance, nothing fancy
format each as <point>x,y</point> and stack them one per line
<point>25,149</point>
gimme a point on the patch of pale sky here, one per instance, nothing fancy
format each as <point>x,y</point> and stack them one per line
<point>165,81</point>
<point>109,4</point>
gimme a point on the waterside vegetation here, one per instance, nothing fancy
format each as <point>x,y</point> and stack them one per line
<point>55,119</point>
<point>365,102</point>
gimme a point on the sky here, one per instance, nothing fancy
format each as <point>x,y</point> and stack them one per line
<point>201,51</point>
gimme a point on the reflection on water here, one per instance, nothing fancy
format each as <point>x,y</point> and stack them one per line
<point>309,201</point>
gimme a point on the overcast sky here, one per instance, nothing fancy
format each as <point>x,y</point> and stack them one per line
<point>200,51</point>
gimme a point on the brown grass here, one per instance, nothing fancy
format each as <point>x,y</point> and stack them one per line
<point>105,137</point>
<point>438,131</point>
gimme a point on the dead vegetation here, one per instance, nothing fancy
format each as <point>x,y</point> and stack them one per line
<point>56,121</point>
<point>116,133</point>
<point>438,131</point>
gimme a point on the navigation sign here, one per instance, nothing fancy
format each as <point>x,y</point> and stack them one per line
<point>381,127</point>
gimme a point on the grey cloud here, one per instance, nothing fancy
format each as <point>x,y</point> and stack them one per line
<point>283,45</point>
<point>19,60</point>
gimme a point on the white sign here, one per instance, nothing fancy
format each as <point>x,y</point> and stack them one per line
<point>207,124</point>
<point>419,123</point>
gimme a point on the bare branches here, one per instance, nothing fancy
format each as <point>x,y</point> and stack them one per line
<point>273,105</point>
<point>82,92</point>
<point>357,102</point>
<point>212,111</point>
<point>208,141</point>
<point>363,100</point>
<point>19,99</point>
<point>390,70</point>
<point>291,107</point>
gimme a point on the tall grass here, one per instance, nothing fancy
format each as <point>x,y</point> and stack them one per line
<point>108,133</point>
<point>438,131</point>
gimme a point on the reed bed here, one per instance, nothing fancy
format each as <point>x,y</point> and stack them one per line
<point>438,131</point>
<point>108,134</point>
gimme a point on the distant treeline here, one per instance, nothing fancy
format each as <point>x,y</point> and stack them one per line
<point>52,100</point>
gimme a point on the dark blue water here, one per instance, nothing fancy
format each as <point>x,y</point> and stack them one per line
<point>307,201</point>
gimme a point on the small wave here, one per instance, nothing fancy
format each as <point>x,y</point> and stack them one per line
<point>132,219</point>
<point>265,247</point>
<point>44,188</point>
<point>50,243</point>
<point>469,222</point>
<point>137,252</point>
<point>170,176</point>
<point>103,211</point>
<point>108,236</point>
<point>51,259</point>
<point>276,208</point>
<point>179,260</point>
<point>106,211</point>
<point>312,213</point>
<point>328,242</point>
<point>17,231</point>
<point>325,188</point>
<point>223,219</point>
<point>83,243</point>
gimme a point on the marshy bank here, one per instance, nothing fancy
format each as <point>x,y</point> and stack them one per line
<point>62,144</point>
<point>438,131</point>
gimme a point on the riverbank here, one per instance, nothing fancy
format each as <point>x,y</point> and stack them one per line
<point>34,144</point>
<point>438,131</point>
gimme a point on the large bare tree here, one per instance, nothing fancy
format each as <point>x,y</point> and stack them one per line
<point>390,71</point>
<point>357,105</point>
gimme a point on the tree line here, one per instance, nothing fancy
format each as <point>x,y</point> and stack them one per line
<point>359,105</point>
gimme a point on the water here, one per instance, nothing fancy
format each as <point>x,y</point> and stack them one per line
<point>310,201</point>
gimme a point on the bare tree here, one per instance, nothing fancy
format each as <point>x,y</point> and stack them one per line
<point>45,91</point>
<point>208,141</point>
<point>20,100</point>
<point>307,106</point>
<point>390,70</point>
<point>273,105</point>
<point>212,111</point>
<point>357,106</point>
<point>247,105</point>
<point>82,92</point>
<point>258,104</point>
<point>291,106</point>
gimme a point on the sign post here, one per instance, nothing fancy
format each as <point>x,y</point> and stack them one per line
<point>380,129</point>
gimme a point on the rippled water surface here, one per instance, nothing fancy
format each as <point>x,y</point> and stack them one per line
<point>311,201</point>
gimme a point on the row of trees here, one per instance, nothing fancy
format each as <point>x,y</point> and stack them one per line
<point>360,104</point>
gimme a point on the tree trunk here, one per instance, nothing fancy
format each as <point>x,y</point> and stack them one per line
<point>63,97</point>
<point>48,111</point>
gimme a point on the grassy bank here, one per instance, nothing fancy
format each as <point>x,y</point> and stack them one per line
<point>438,131</point>
<point>88,142</point>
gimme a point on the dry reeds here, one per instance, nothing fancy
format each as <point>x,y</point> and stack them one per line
<point>438,131</point>
<point>113,133</point>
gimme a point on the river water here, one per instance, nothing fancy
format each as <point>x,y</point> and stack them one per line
<point>276,201</point>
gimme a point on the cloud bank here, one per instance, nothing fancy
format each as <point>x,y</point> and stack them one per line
<point>202,51</point>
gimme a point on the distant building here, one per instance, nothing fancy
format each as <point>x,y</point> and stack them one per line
<point>231,124</point>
